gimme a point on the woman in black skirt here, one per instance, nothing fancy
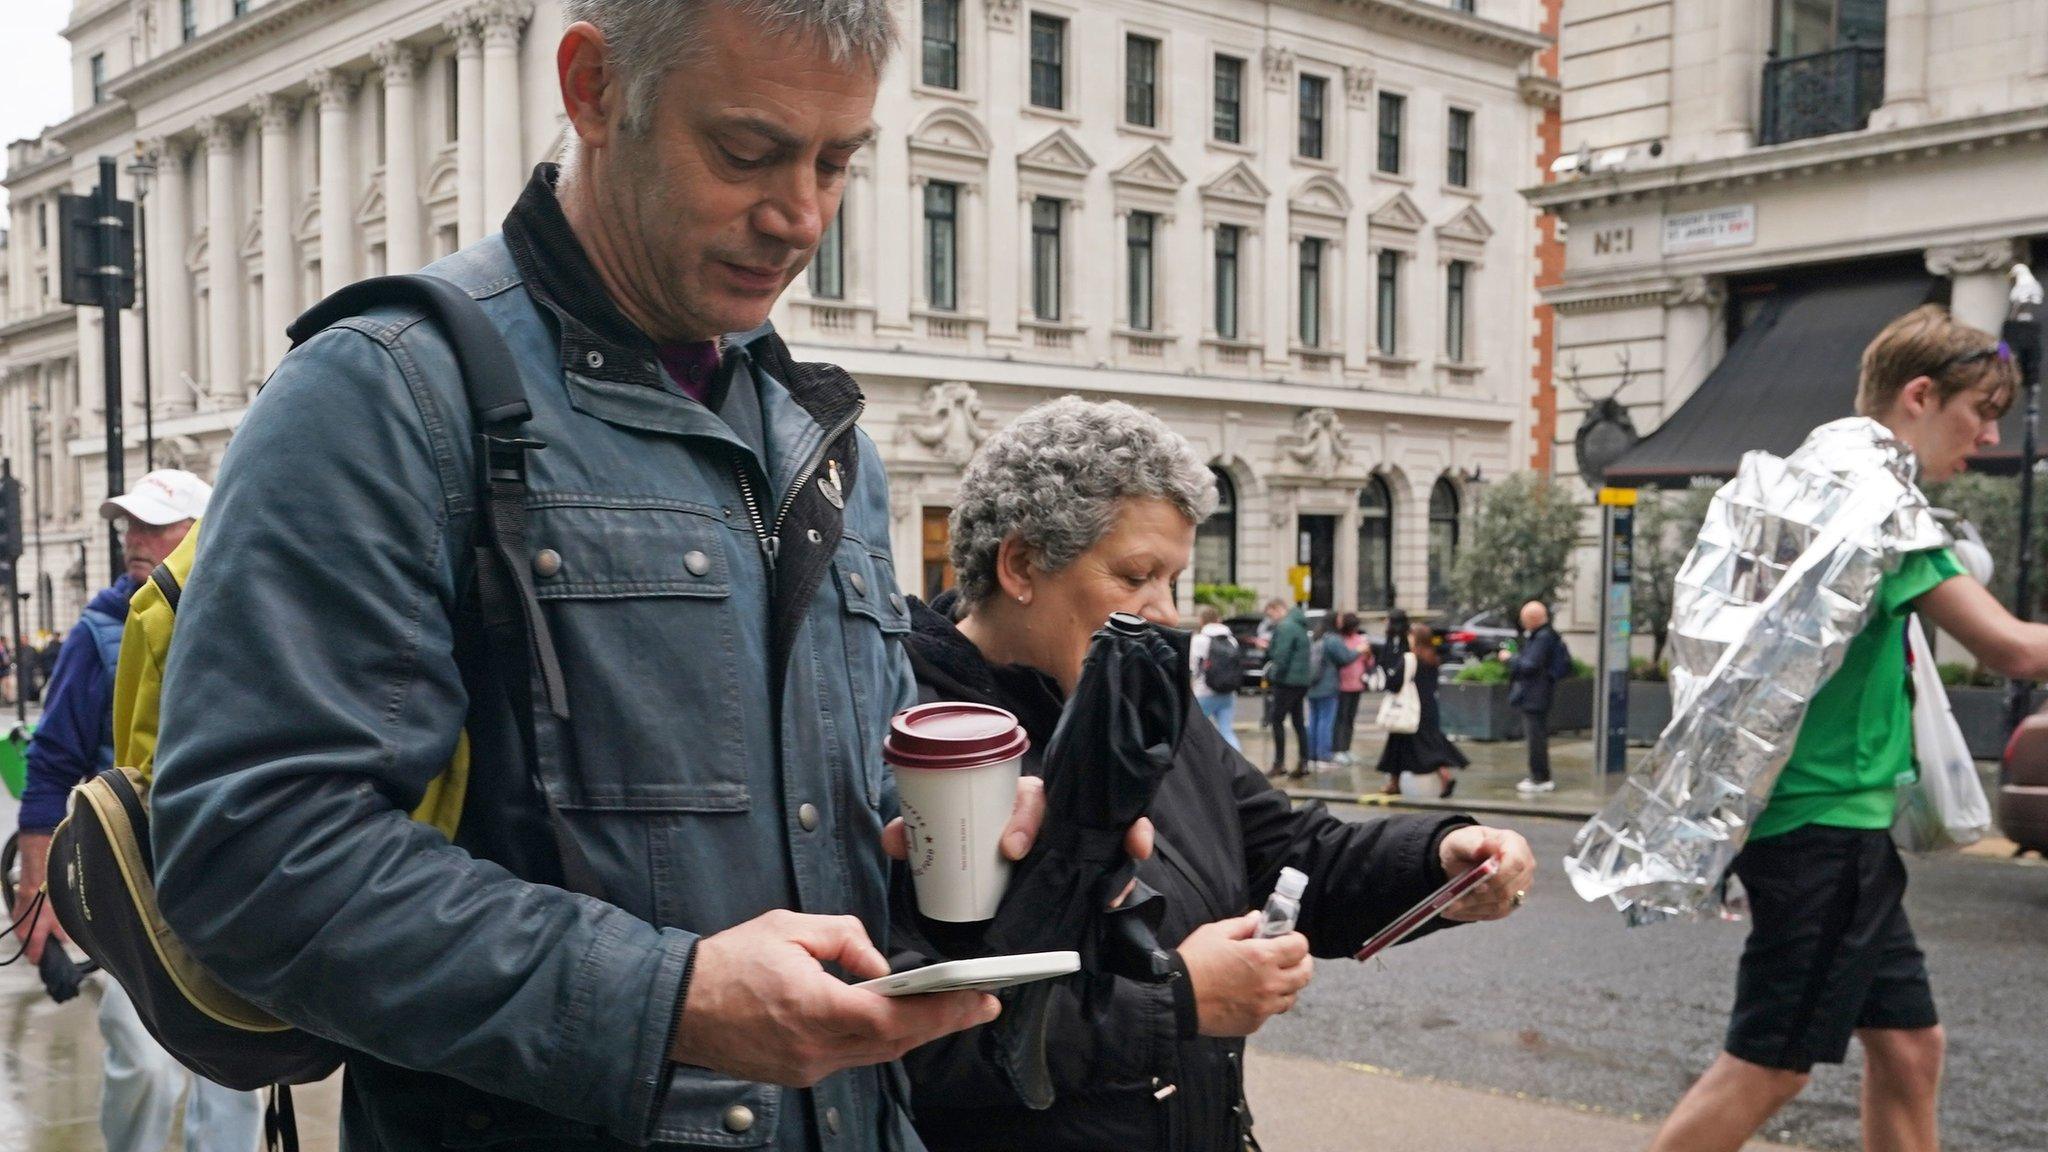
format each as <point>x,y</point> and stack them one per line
<point>1427,749</point>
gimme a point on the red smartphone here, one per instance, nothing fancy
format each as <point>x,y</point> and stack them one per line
<point>1430,908</point>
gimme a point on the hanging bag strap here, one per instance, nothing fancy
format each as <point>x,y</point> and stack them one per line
<point>515,630</point>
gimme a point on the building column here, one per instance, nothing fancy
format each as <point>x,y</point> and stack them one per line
<point>1359,157</point>
<point>504,152</point>
<point>1692,338</point>
<point>1278,140</point>
<point>399,66</point>
<point>279,268</point>
<point>469,126</point>
<point>1741,74</point>
<point>2039,69</point>
<point>1978,271</point>
<point>337,210</point>
<point>1005,86</point>
<point>223,260</point>
<point>170,299</point>
<point>1905,65</point>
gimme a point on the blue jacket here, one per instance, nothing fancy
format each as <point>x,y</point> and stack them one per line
<point>75,738</point>
<point>1336,654</point>
<point>722,757</point>
<point>1535,670</point>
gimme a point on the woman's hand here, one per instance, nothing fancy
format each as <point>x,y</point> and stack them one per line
<point>1465,848</point>
<point>1027,816</point>
<point>1239,981</point>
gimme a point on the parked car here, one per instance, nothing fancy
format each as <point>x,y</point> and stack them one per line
<point>2023,793</point>
<point>1475,637</point>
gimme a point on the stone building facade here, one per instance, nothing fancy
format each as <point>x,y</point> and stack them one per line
<point>1736,151</point>
<point>1293,230</point>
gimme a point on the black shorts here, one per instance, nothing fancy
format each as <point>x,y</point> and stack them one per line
<point>1829,949</point>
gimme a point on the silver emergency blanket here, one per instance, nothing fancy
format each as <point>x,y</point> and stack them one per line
<point>1781,580</point>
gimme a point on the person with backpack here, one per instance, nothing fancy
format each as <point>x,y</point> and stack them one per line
<point>1534,670</point>
<point>1350,686</point>
<point>73,742</point>
<point>1290,673</point>
<point>1329,656</point>
<point>1218,665</point>
<point>674,790</point>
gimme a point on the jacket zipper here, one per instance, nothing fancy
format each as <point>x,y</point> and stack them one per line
<point>770,535</point>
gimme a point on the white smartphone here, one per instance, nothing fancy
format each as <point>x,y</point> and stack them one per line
<point>983,975</point>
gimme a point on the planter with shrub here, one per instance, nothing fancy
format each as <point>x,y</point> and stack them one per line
<point>1475,702</point>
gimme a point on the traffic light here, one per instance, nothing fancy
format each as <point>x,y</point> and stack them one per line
<point>79,259</point>
<point>10,519</point>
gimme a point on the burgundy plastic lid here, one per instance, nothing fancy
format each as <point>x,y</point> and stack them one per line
<point>949,734</point>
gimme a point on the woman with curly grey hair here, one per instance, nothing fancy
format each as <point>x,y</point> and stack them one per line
<point>1075,511</point>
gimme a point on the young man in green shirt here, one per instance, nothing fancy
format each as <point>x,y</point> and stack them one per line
<point>1830,953</point>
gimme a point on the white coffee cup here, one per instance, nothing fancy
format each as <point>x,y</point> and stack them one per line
<point>956,767</point>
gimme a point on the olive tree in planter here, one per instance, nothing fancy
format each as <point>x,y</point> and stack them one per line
<point>1667,526</point>
<point>1521,550</point>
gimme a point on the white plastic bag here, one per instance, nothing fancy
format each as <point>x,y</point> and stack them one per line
<point>1943,806</point>
<point>1401,713</point>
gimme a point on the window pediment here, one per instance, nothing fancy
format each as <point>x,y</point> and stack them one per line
<point>1059,155</point>
<point>1151,169</point>
<point>951,132</point>
<point>1468,226</point>
<point>1237,184</point>
<point>1321,196</point>
<point>1399,214</point>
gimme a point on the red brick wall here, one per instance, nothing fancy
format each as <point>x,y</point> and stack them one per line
<point>1549,260</point>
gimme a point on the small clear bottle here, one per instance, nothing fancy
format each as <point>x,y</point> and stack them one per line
<point>1283,908</point>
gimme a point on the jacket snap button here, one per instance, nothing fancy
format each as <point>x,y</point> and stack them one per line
<point>546,563</point>
<point>814,536</point>
<point>594,359</point>
<point>697,562</point>
<point>832,1121</point>
<point>859,582</point>
<point>477,1121</point>
<point>807,816</point>
<point>739,1118</point>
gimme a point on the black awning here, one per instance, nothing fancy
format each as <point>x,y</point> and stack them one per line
<point>1793,369</point>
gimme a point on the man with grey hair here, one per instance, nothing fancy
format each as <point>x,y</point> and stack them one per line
<point>709,544</point>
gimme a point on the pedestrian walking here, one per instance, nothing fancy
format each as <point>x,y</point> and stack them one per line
<point>1350,686</point>
<point>1328,659</point>
<point>709,551</point>
<point>1290,674</point>
<point>1830,953</point>
<point>1217,665</point>
<point>1015,635</point>
<point>1534,668</point>
<point>74,742</point>
<point>1426,749</point>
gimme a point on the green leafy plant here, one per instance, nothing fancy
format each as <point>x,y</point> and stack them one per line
<point>1580,670</point>
<point>1643,668</point>
<point>1482,672</point>
<point>1992,503</point>
<point>1667,526</point>
<point>1956,674</point>
<point>1521,546</point>
<point>1228,599</point>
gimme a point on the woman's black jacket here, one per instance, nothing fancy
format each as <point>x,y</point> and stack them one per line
<point>1223,835</point>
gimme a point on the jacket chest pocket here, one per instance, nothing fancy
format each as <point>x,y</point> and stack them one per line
<point>873,623</point>
<point>641,602</point>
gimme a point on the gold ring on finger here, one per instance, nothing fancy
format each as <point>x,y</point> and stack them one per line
<point>1519,897</point>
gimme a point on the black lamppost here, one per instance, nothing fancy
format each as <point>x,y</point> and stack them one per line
<point>35,497</point>
<point>142,171</point>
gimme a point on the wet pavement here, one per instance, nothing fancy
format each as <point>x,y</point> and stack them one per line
<point>1561,1003</point>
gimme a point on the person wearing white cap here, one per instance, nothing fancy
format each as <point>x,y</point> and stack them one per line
<point>73,742</point>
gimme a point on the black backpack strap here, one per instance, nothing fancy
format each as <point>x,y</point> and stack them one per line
<point>515,631</point>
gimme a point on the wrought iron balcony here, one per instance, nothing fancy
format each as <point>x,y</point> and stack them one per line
<point>1821,93</point>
